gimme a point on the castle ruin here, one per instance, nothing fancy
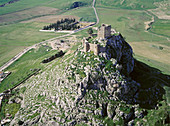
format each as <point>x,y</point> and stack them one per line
<point>103,33</point>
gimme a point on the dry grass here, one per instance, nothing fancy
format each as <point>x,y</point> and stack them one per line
<point>148,50</point>
<point>50,19</point>
<point>29,13</point>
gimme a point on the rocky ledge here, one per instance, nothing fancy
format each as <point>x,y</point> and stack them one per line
<point>83,88</point>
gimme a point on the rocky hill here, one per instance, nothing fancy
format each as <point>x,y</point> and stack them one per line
<point>85,89</point>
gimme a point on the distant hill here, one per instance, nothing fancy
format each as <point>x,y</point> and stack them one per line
<point>129,4</point>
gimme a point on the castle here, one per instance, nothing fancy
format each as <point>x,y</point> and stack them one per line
<point>104,31</point>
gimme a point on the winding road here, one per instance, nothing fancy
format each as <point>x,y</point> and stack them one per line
<point>31,47</point>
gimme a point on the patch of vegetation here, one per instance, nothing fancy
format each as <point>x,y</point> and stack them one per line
<point>2,111</point>
<point>64,24</point>
<point>41,98</point>
<point>57,55</point>
<point>81,124</point>
<point>78,4</point>
<point>22,90</point>
<point>161,27</point>
<point>158,117</point>
<point>4,1</point>
<point>109,122</point>
<point>33,116</point>
<point>12,109</point>
<point>158,47</point>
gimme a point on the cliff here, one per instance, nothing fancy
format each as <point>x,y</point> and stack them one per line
<point>86,89</point>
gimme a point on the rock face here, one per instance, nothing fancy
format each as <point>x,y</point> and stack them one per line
<point>84,89</point>
<point>119,49</point>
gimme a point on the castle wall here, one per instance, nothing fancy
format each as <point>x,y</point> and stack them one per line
<point>104,31</point>
<point>102,49</point>
<point>107,32</point>
<point>86,47</point>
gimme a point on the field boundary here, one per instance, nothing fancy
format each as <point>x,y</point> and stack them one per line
<point>43,42</point>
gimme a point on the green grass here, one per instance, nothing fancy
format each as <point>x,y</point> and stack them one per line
<point>128,4</point>
<point>12,109</point>
<point>130,23</point>
<point>85,14</point>
<point>65,4</point>
<point>161,27</point>
<point>167,89</point>
<point>22,67</point>
<point>33,116</point>
<point>4,1</point>
<point>22,5</point>
<point>15,37</point>
<point>27,4</point>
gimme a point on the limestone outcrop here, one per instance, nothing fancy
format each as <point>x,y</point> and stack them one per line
<point>119,49</point>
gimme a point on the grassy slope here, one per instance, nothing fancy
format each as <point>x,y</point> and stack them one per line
<point>128,4</point>
<point>26,4</point>
<point>85,13</point>
<point>21,68</point>
<point>22,5</point>
<point>14,37</point>
<point>129,22</point>
<point>161,27</point>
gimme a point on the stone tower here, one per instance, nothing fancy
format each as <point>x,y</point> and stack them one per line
<point>86,47</point>
<point>104,31</point>
<point>96,49</point>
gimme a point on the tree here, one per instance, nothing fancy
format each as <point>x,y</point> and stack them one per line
<point>90,31</point>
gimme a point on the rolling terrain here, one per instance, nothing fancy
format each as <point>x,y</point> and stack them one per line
<point>21,21</point>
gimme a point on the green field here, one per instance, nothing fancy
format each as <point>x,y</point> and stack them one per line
<point>85,14</point>
<point>22,67</point>
<point>15,37</point>
<point>161,27</point>
<point>128,4</point>
<point>130,23</point>
<point>4,1</point>
<point>27,4</point>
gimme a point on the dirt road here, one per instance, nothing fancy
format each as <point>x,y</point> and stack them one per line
<point>31,47</point>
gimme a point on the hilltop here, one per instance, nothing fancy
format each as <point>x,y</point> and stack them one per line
<point>107,78</point>
<point>84,88</point>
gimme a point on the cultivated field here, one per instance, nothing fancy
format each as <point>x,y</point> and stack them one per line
<point>161,27</point>
<point>27,14</point>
